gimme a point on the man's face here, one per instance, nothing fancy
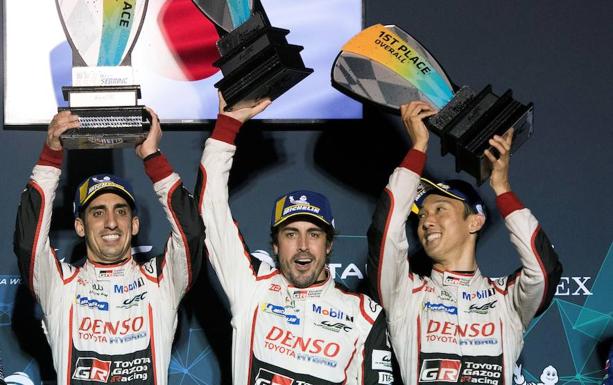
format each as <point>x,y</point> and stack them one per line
<point>302,248</point>
<point>108,227</point>
<point>444,230</point>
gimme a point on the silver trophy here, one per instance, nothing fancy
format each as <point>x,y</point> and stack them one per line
<point>104,94</point>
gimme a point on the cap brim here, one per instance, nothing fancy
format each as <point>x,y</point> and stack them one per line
<point>110,189</point>
<point>305,215</point>
<point>432,188</point>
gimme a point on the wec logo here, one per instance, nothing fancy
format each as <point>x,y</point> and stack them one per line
<point>440,371</point>
<point>92,369</point>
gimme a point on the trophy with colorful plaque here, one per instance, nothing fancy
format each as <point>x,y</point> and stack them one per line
<point>256,60</point>
<point>104,93</point>
<point>386,66</point>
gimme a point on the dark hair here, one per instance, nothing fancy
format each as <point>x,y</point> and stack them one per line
<point>328,230</point>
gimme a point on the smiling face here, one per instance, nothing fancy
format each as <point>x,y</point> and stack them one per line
<point>446,231</point>
<point>108,227</point>
<point>302,248</point>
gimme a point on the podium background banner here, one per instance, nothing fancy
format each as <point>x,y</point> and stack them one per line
<point>555,54</point>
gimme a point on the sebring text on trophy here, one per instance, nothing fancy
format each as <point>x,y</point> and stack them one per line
<point>386,66</point>
<point>256,60</point>
<point>102,34</point>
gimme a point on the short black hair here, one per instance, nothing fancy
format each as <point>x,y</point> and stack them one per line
<point>328,230</point>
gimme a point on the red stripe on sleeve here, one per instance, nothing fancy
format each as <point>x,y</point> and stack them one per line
<point>507,203</point>
<point>183,236</point>
<point>50,157</point>
<point>415,161</point>
<point>382,247</point>
<point>226,129</point>
<point>157,167</point>
<point>541,264</point>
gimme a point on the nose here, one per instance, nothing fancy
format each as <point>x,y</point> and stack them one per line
<point>303,244</point>
<point>427,221</point>
<point>111,221</point>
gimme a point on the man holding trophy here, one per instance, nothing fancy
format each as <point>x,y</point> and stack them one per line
<point>455,325</point>
<point>110,319</point>
<point>291,322</point>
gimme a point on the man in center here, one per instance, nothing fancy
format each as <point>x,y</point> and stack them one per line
<point>292,324</point>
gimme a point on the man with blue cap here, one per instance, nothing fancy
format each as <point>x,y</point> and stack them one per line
<point>455,325</point>
<point>292,324</point>
<point>109,318</point>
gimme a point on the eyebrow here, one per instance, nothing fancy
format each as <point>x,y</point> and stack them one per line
<point>290,228</point>
<point>103,207</point>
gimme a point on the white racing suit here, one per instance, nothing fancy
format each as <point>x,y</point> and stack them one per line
<point>284,335</point>
<point>452,327</point>
<point>109,323</point>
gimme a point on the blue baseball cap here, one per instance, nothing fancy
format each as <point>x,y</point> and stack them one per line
<point>453,188</point>
<point>302,202</point>
<point>98,184</point>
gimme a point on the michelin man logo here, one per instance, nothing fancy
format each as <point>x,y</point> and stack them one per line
<point>548,377</point>
<point>301,201</point>
<point>105,179</point>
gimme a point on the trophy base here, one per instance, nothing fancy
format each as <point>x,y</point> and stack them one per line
<point>468,121</point>
<point>258,63</point>
<point>107,127</point>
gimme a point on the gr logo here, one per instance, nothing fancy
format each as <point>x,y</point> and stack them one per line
<point>92,369</point>
<point>434,370</point>
<point>266,377</point>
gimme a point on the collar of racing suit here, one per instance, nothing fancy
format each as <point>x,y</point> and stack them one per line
<point>453,278</point>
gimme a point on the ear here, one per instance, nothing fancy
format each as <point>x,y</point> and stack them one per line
<point>135,225</point>
<point>79,227</point>
<point>476,222</point>
<point>328,247</point>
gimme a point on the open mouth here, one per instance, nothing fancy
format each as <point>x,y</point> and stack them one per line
<point>303,263</point>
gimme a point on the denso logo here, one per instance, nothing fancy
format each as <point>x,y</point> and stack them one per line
<point>479,294</point>
<point>120,289</point>
<point>331,312</point>
<point>440,370</point>
<point>123,327</point>
<point>91,369</point>
<point>285,338</point>
<point>467,330</point>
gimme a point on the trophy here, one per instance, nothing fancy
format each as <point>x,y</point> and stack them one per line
<point>256,60</point>
<point>386,66</point>
<point>103,94</point>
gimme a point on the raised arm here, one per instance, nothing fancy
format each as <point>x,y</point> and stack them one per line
<point>38,264</point>
<point>234,266</point>
<point>184,250</point>
<point>388,265</point>
<point>531,288</point>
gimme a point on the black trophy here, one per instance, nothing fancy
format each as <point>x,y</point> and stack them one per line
<point>386,66</point>
<point>103,92</point>
<point>256,60</point>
